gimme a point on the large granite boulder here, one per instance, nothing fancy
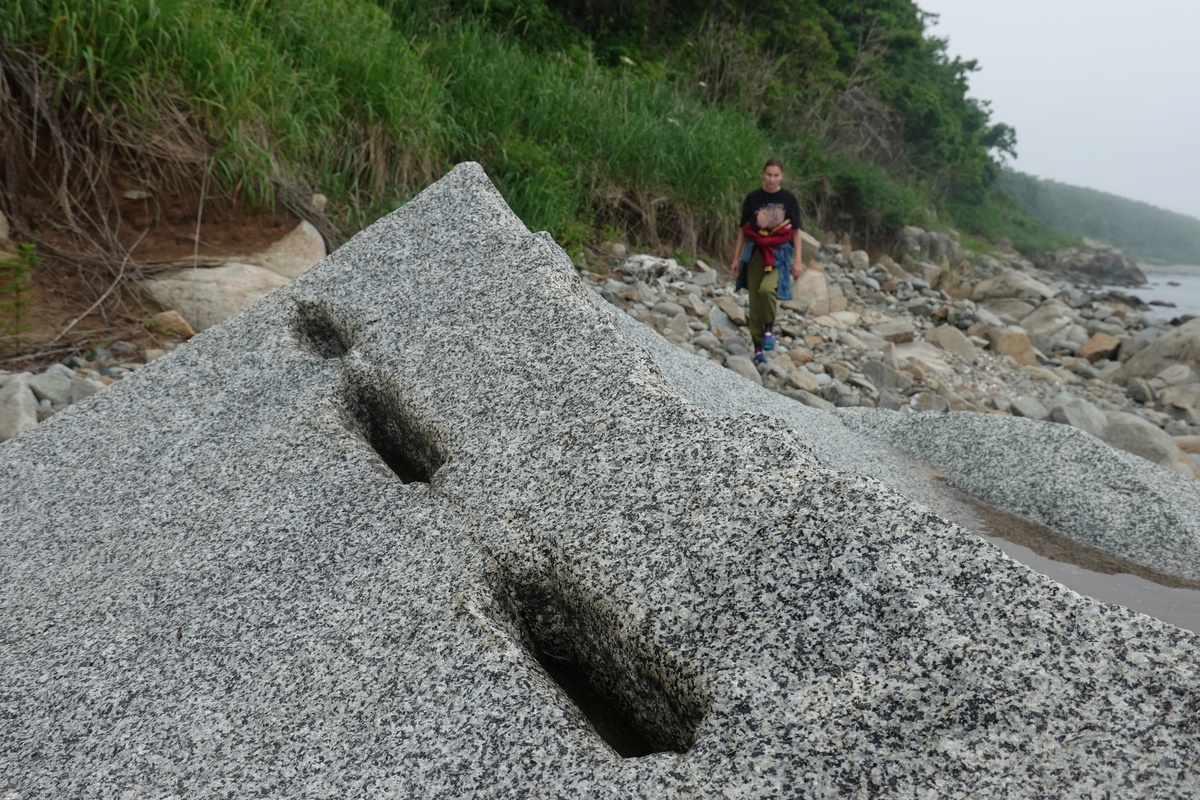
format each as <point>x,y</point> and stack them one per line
<point>1015,310</point>
<point>1182,402</point>
<point>294,254</point>
<point>1098,346</point>
<point>815,295</point>
<point>1133,434</point>
<point>1053,327</point>
<point>919,245</point>
<point>208,296</point>
<point>1079,413</point>
<point>389,534</point>
<point>1140,507</point>
<point>18,405</point>
<point>954,341</point>
<point>1178,346</point>
<point>1012,342</point>
<point>1012,284</point>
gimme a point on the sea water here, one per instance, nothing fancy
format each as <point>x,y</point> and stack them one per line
<point>1178,284</point>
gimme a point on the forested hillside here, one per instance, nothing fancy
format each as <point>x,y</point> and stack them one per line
<point>1148,233</point>
<point>642,119</point>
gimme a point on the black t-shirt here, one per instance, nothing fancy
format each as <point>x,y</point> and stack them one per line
<point>763,210</point>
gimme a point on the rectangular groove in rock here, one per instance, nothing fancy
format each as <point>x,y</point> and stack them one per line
<point>638,704</point>
<point>319,330</point>
<point>374,408</point>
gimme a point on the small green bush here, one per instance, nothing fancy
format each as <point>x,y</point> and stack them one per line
<point>15,273</point>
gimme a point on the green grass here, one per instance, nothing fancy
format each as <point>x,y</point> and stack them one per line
<point>566,139</point>
<point>289,91</point>
<point>369,106</point>
<point>278,89</point>
<point>15,273</point>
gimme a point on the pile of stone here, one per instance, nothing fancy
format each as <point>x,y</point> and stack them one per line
<point>996,336</point>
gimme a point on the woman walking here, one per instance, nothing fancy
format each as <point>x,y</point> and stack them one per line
<point>767,253</point>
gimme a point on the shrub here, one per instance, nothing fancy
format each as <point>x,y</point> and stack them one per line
<point>14,289</point>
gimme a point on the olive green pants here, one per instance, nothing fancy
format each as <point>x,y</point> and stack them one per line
<point>762,287</point>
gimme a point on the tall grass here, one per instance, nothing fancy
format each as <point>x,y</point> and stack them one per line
<point>107,46</point>
<point>346,96</point>
<point>566,139</point>
<point>337,95</point>
<point>369,106</point>
<point>279,89</point>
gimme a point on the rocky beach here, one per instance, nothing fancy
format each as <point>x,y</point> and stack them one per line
<point>992,334</point>
<point>305,554</point>
<point>930,330</point>
<point>933,329</point>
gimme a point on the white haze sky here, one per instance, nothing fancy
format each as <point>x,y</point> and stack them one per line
<point>1103,93</point>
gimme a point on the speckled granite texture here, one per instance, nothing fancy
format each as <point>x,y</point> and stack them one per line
<point>321,551</point>
<point>1058,475</point>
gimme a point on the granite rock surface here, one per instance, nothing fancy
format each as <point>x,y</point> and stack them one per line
<point>361,581</point>
<point>1058,475</point>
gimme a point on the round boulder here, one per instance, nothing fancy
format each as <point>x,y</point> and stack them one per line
<point>1179,346</point>
<point>1133,434</point>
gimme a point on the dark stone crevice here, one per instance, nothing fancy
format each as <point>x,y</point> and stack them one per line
<point>322,331</point>
<point>375,408</point>
<point>639,703</point>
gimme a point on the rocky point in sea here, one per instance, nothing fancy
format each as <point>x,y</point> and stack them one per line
<point>386,534</point>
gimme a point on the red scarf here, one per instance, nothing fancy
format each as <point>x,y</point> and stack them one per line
<point>768,241</point>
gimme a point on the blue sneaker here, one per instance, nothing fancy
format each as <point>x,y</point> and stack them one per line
<point>760,357</point>
<point>769,340</point>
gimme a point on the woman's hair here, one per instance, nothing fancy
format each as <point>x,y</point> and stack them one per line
<point>773,162</point>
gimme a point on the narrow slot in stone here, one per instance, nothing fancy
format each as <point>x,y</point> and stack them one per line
<point>620,733</point>
<point>320,332</point>
<point>637,703</point>
<point>375,409</point>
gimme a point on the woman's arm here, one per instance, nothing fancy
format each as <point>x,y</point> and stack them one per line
<point>797,254</point>
<point>735,265</point>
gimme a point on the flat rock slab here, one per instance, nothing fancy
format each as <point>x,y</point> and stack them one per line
<point>340,544</point>
<point>930,357</point>
<point>897,331</point>
<point>207,297</point>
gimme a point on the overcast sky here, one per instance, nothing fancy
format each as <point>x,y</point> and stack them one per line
<point>1103,93</point>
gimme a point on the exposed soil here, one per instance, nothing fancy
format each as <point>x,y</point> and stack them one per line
<point>63,312</point>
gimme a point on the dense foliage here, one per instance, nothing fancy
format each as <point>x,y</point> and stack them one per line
<point>871,111</point>
<point>997,218</point>
<point>642,118</point>
<point>1148,233</point>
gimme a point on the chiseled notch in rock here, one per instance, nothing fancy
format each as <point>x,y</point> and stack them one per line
<point>321,331</point>
<point>639,703</point>
<point>375,408</point>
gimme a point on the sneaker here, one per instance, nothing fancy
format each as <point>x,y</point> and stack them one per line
<point>760,357</point>
<point>769,340</point>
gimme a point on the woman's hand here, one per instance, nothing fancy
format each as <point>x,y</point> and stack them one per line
<point>735,267</point>
<point>797,269</point>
